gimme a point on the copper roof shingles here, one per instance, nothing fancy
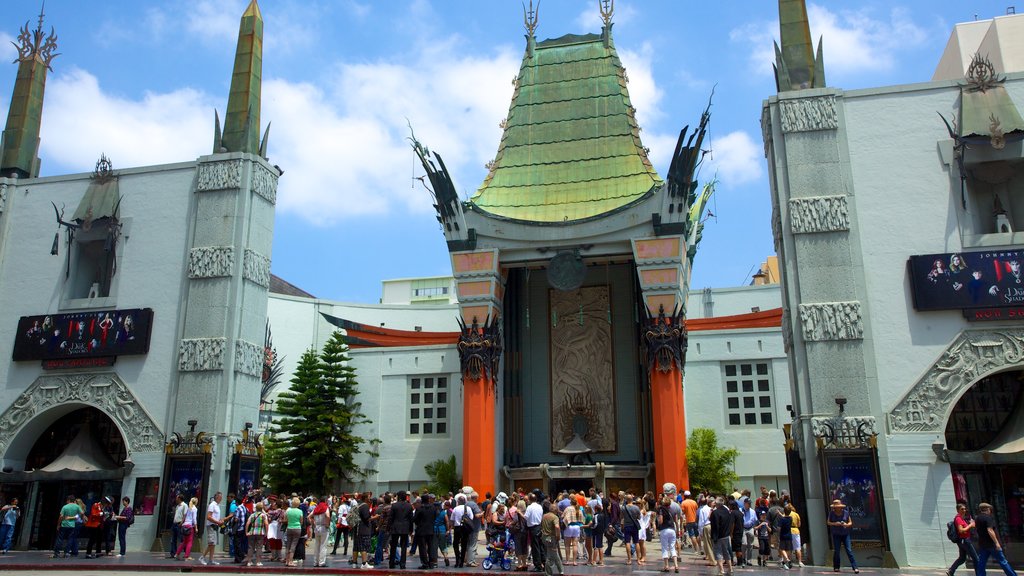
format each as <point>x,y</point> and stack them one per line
<point>571,148</point>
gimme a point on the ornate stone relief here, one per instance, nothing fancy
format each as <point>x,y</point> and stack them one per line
<point>248,358</point>
<point>818,214</point>
<point>219,175</point>
<point>809,114</point>
<point>211,262</point>
<point>3,197</point>
<point>256,268</point>
<point>582,373</point>
<point>823,321</point>
<point>201,354</point>
<point>972,355</point>
<point>104,391</point>
<point>479,349</point>
<point>264,182</point>
<point>844,431</point>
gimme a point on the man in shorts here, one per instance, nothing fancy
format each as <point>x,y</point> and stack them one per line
<point>721,534</point>
<point>631,529</point>
<point>689,507</point>
<point>213,523</point>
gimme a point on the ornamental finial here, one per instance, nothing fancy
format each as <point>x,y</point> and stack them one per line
<point>530,17</point>
<point>607,8</point>
<point>36,45</point>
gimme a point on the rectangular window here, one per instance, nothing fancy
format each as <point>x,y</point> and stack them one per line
<point>428,410</point>
<point>748,402</point>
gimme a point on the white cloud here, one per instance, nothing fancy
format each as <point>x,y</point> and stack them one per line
<point>589,20</point>
<point>853,40</point>
<point>343,147</point>
<point>214,20</point>
<point>81,121</point>
<point>646,97</point>
<point>735,158</point>
<point>643,91</point>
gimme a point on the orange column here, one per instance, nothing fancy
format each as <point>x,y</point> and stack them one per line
<point>478,434</point>
<point>669,424</point>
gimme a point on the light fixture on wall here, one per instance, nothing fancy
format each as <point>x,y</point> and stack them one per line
<point>841,402</point>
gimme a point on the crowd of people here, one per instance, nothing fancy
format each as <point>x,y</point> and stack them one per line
<point>100,523</point>
<point>524,530</point>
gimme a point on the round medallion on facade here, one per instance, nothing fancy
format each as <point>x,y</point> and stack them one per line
<point>566,271</point>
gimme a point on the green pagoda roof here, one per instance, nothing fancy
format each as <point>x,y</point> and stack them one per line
<point>571,146</point>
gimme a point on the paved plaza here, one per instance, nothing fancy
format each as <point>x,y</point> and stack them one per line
<point>29,561</point>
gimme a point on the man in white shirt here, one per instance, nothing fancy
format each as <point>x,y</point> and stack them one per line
<point>462,526</point>
<point>342,528</point>
<point>704,525</point>
<point>213,522</point>
<point>534,514</point>
<point>179,517</point>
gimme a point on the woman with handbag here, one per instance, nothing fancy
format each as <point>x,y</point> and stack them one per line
<point>188,531</point>
<point>666,525</point>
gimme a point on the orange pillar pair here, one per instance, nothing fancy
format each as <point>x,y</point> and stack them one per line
<point>669,423</point>
<point>479,467</point>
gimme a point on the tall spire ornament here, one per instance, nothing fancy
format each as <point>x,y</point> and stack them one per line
<point>530,17</point>
<point>607,8</point>
<point>36,45</point>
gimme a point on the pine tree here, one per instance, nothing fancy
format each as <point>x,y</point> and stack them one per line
<point>339,415</point>
<point>287,462</point>
<point>314,444</point>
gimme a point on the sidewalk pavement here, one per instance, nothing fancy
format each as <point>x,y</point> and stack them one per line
<point>690,564</point>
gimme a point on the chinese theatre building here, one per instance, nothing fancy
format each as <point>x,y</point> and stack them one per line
<point>132,309</point>
<point>895,217</point>
<point>572,262</point>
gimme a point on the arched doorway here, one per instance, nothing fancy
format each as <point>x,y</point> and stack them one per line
<point>985,444</point>
<point>80,453</point>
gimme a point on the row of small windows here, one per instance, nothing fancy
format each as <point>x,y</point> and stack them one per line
<point>434,291</point>
<point>749,400</point>
<point>428,406</point>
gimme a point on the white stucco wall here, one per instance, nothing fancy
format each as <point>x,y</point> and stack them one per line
<point>383,375</point>
<point>150,274</point>
<point>891,161</point>
<point>761,459</point>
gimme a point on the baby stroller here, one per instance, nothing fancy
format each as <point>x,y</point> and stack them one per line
<point>501,550</point>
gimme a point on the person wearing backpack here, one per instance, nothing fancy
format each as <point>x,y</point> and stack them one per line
<point>839,524</point>
<point>124,520</point>
<point>962,529</point>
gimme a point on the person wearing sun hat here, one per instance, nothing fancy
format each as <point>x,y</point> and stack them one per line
<point>840,523</point>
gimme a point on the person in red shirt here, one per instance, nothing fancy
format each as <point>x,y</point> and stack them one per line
<point>94,526</point>
<point>965,529</point>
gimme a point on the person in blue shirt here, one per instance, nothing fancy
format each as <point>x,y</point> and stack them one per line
<point>9,515</point>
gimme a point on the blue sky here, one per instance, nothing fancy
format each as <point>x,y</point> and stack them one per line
<point>139,80</point>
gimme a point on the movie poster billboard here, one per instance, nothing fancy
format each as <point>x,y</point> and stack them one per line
<point>90,334</point>
<point>852,477</point>
<point>960,280</point>
<point>185,476</point>
<point>245,474</point>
